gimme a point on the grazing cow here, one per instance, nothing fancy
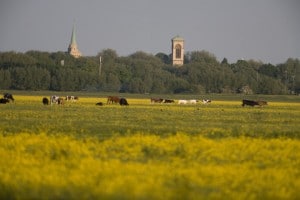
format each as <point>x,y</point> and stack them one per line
<point>60,101</point>
<point>45,101</point>
<point>206,101</point>
<point>4,101</point>
<point>156,100</point>
<point>56,100</point>
<point>253,103</point>
<point>193,101</point>
<point>182,101</point>
<point>123,102</point>
<point>113,99</point>
<point>169,101</point>
<point>99,104</point>
<point>71,98</point>
<point>8,96</point>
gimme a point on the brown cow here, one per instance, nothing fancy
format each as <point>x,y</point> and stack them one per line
<point>113,99</point>
<point>156,100</point>
<point>60,101</point>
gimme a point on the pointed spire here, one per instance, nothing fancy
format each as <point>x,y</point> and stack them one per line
<point>73,49</point>
<point>73,38</point>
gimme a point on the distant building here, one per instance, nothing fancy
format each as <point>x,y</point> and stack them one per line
<point>73,49</point>
<point>177,51</point>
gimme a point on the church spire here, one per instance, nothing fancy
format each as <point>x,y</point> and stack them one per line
<point>73,38</point>
<point>73,49</point>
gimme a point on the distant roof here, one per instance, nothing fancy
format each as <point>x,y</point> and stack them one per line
<point>177,38</point>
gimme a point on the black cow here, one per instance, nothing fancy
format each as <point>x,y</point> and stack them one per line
<point>169,101</point>
<point>4,101</point>
<point>123,102</point>
<point>253,103</point>
<point>9,97</point>
<point>99,104</point>
<point>45,101</point>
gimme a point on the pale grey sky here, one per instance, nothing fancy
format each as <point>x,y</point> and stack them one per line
<point>266,30</point>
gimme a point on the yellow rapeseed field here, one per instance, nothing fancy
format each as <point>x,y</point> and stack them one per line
<point>145,151</point>
<point>41,166</point>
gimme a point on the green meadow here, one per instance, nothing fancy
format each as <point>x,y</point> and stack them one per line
<point>149,151</point>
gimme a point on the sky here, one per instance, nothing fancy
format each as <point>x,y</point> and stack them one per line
<point>262,30</point>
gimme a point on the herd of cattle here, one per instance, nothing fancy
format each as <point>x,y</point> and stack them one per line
<point>181,101</point>
<point>58,100</point>
<point>7,98</point>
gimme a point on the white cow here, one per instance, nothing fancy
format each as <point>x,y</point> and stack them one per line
<point>71,98</point>
<point>56,100</point>
<point>206,101</point>
<point>182,101</point>
<point>193,101</point>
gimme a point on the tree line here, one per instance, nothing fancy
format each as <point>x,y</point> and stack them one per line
<point>141,72</point>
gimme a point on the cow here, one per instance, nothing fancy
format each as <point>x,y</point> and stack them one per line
<point>45,101</point>
<point>193,101</point>
<point>4,101</point>
<point>169,101</point>
<point>253,103</point>
<point>123,102</point>
<point>56,100</point>
<point>60,101</point>
<point>113,99</point>
<point>9,97</point>
<point>99,104</point>
<point>181,101</point>
<point>206,101</point>
<point>71,98</point>
<point>156,100</point>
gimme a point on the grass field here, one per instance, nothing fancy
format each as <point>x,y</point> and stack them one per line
<point>149,151</point>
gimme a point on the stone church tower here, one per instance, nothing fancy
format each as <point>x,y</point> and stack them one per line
<point>73,49</point>
<point>177,51</point>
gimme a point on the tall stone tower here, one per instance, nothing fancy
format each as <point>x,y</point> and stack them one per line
<point>177,51</point>
<point>73,49</point>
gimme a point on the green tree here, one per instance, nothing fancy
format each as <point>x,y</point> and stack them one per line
<point>203,57</point>
<point>269,70</point>
<point>164,58</point>
<point>5,79</point>
<point>290,75</point>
